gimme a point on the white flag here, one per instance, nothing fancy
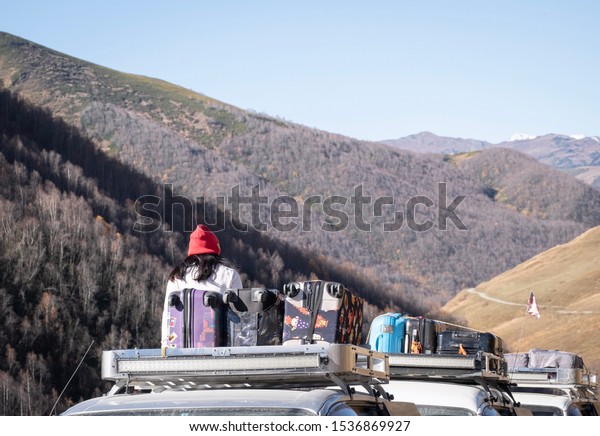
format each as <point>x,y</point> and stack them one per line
<point>532,307</point>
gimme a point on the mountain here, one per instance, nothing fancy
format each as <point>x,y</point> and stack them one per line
<point>566,284</point>
<point>577,155</point>
<point>427,142</point>
<point>325,195</point>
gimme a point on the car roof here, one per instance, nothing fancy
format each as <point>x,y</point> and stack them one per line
<point>435,393</point>
<point>312,401</point>
<point>540,399</point>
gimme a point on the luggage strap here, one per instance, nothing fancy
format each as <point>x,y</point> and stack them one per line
<point>187,317</point>
<point>314,300</point>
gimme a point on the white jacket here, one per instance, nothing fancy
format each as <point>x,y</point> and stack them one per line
<point>222,279</point>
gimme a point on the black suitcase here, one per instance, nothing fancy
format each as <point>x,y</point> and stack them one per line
<point>467,342</point>
<point>255,316</point>
<point>422,334</point>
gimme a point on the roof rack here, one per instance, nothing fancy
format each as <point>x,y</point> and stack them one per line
<point>484,369</point>
<point>554,377</point>
<point>475,368</point>
<point>255,367</point>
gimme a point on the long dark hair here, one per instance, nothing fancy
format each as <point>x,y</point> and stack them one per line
<point>205,264</point>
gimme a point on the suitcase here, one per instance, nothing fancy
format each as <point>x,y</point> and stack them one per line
<point>554,359</point>
<point>255,317</point>
<point>387,333</point>
<point>196,319</point>
<point>421,335</point>
<point>318,311</point>
<point>468,342</point>
<point>516,360</point>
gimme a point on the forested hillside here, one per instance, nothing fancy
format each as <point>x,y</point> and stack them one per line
<point>206,148</point>
<point>73,269</point>
<point>69,275</point>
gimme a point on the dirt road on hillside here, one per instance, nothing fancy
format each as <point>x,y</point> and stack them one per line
<point>557,309</point>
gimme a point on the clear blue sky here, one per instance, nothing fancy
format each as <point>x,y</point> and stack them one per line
<point>370,70</point>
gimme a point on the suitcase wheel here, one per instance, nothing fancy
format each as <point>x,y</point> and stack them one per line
<point>209,300</point>
<point>336,290</point>
<point>291,289</point>
<point>229,297</point>
<point>174,300</point>
<point>261,296</point>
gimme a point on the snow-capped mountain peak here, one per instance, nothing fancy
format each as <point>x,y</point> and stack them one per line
<point>520,137</point>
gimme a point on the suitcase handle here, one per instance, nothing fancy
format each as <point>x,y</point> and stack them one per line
<point>460,334</point>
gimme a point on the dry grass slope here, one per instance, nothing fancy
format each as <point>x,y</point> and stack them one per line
<point>566,283</point>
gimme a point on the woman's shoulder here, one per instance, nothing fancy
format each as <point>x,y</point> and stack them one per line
<point>222,269</point>
<point>227,274</point>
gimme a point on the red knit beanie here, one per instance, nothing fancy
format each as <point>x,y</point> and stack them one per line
<point>203,241</point>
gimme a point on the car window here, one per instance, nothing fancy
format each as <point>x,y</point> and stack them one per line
<point>503,411</point>
<point>543,410</point>
<point>341,409</point>
<point>588,409</point>
<point>368,409</point>
<point>490,411</point>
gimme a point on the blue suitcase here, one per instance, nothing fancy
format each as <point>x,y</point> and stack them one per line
<point>386,333</point>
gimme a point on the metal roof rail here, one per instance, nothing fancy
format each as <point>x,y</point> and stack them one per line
<point>554,377</point>
<point>475,368</point>
<point>256,367</point>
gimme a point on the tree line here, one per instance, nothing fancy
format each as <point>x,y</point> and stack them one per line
<point>73,271</point>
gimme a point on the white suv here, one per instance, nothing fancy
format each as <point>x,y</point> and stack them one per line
<point>452,399</point>
<point>557,402</point>
<point>313,379</point>
<point>245,402</point>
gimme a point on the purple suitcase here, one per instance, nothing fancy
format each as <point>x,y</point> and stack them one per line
<point>196,319</point>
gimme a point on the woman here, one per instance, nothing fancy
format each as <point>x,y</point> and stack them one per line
<point>203,269</point>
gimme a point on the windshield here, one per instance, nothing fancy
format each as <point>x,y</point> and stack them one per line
<point>221,411</point>
<point>543,410</point>
<point>502,411</point>
<point>426,410</point>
